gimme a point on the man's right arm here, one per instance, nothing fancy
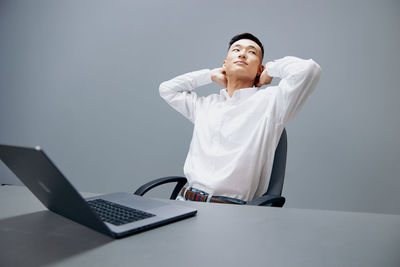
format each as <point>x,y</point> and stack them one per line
<point>178,92</point>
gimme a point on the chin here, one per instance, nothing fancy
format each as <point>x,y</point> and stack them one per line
<point>241,74</point>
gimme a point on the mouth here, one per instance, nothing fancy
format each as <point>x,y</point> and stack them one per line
<point>240,62</point>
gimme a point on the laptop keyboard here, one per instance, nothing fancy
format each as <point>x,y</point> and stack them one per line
<point>116,214</point>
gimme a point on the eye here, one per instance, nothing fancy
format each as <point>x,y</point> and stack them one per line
<point>235,49</point>
<point>252,52</point>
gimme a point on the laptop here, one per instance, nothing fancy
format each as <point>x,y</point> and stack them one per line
<point>116,214</point>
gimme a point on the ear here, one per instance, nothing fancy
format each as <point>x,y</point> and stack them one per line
<point>260,69</point>
<point>223,65</point>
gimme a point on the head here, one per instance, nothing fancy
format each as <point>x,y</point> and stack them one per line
<point>244,58</point>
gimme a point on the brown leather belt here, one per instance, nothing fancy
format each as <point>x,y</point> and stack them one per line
<point>196,196</point>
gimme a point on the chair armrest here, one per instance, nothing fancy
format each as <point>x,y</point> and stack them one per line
<point>181,181</point>
<point>268,200</point>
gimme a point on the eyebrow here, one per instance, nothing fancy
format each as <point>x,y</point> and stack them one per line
<point>251,46</point>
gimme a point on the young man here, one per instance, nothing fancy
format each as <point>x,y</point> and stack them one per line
<point>237,131</point>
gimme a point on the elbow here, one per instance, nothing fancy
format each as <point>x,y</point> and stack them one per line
<point>314,69</point>
<point>311,70</point>
<point>163,89</point>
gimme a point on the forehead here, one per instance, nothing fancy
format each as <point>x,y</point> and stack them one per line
<point>246,43</point>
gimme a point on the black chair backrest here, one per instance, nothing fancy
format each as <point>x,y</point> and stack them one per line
<point>279,166</point>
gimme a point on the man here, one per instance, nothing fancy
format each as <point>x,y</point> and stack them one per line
<point>237,131</point>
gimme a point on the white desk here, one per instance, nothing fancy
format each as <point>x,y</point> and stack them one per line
<point>220,235</point>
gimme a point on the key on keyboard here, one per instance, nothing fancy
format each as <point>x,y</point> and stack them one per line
<point>117,214</point>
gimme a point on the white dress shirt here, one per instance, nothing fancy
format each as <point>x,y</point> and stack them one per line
<point>234,139</point>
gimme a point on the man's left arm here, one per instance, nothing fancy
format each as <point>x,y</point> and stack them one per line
<point>299,77</point>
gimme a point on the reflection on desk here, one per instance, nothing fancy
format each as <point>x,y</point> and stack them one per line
<point>224,235</point>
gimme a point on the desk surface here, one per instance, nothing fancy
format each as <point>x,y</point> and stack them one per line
<point>224,235</point>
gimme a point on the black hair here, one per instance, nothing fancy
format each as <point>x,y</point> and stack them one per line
<point>249,36</point>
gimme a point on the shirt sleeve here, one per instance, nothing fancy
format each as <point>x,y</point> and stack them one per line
<point>299,77</point>
<point>178,92</point>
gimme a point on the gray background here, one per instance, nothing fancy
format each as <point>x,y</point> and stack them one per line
<point>80,79</point>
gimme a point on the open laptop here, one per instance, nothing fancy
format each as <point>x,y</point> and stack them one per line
<point>116,214</point>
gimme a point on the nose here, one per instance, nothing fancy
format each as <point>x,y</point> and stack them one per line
<point>242,54</point>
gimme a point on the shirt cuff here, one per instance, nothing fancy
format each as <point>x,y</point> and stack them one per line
<point>202,77</point>
<point>272,69</point>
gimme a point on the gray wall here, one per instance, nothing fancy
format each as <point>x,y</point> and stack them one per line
<point>80,78</point>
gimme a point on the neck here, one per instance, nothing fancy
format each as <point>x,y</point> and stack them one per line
<point>234,84</point>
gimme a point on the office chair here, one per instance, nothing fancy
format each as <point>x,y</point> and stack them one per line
<point>273,196</point>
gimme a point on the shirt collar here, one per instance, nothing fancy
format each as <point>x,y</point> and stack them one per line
<point>239,94</point>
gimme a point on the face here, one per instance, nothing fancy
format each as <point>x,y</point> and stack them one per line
<point>244,60</point>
